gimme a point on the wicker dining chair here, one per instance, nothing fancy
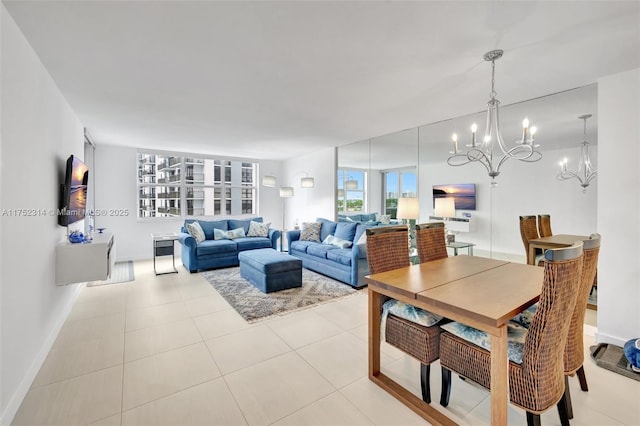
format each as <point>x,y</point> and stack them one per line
<point>388,249</point>
<point>536,383</point>
<point>430,241</point>
<point>574,350</point>
<point>544,225</point>
<point>529,231</point>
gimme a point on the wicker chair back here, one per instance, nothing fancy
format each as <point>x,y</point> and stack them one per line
<point>528,231</point>
<point>387,248</point>
<point>430,241</point>
<point>544,225</point>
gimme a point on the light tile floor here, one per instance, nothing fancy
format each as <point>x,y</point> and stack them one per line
<point>168,350</point>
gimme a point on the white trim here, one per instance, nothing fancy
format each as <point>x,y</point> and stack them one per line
<point>607,338</point>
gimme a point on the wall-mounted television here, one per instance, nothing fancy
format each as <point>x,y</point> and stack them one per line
<point>463,194</point>
<point>73,192</point>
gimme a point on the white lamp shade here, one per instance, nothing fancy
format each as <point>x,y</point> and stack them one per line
<point>340,193</point>
<point>351,185</point>
<point>286,191</point>
<point>269,181</point>
<point>307,182</point>
<point>408,208</point>
<point>445,207</point>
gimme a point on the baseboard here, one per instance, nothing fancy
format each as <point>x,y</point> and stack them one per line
<point>607,338</point>
<point>509,257</point>
<point>25,384</point>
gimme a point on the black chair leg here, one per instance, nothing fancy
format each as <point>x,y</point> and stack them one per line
<point>425,383</point>
<point>583,379</point>
<point>567,399</point>
<point>562,411</point>
<point>446,387</point>
<point>533,419</point>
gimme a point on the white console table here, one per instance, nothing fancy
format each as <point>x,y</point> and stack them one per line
<point>456,224</point>
<point>83,262</point>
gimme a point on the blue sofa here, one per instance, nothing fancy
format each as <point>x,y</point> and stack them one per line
<point>210,253</point>
<point>348,265</point>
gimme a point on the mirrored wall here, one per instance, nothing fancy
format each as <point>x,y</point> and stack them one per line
<point>413,161</point>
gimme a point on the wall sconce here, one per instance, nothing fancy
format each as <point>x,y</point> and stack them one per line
<point>269,181</point>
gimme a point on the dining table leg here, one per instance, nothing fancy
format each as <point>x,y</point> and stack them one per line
<point>499,377</point>
<point>374,333</point>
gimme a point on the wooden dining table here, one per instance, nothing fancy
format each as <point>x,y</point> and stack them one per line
<point>480,292</point>
<point>553,241</point>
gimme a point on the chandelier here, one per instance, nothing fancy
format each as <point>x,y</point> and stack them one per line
<point>584,174</point>
<point>492,151</point>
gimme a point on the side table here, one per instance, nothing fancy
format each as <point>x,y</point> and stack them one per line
<point>163,245</point>
<point>455,245</point>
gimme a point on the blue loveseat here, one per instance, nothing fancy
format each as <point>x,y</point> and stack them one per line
<point>211,253</point>
<point>348,265</point>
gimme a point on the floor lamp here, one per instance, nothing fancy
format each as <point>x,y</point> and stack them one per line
<point>285,192</point>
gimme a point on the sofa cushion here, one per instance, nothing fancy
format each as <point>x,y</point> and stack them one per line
<point>243,223</point>
<point>208,226</point>
<point>341,256</point>
<point>310,231</point>
<point>345,230</point>
<point>250,243</point>
<point>328,227</point>
<point>208,247</point>
<point>195,230</point>
<point>258,229</point>
<point>320,250</point>
<point>368,217</point>
<point>300,246</point>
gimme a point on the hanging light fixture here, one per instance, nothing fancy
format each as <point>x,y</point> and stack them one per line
<point>584,174</point>
<point>487,152</point>
<point>351,184</point>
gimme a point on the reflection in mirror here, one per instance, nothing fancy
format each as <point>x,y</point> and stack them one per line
<point>352,179</point>
<point>394,169</point>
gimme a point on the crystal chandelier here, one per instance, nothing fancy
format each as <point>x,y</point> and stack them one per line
<point>584,174</point>
<point>492,152</point>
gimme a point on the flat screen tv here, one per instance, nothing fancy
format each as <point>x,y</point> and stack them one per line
<point>463,194</point>
<point>73,192</point>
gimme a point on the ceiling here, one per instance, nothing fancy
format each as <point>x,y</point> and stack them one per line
<point>274,80</point>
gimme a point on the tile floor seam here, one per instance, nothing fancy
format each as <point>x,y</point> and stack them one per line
<point>233,396</point>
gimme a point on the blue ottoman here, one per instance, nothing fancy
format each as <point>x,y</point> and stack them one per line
<point>270,270</point>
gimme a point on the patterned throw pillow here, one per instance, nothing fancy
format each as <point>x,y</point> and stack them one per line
<point>310,231</point>
<point>219,234</point>
<point>196,231</point>
<point>384,219</point>
<point>257,229</point>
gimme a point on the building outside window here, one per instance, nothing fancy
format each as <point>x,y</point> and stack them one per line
<point>398,183</point>
<point>176,186</point>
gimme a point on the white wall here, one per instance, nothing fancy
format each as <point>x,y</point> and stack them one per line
<point>311,203</point>
<point>39,131</point>
<point>619,207</point>
<point>523,189</point>
<point>116,174</point>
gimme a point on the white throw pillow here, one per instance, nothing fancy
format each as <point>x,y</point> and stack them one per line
<point>196,231</point>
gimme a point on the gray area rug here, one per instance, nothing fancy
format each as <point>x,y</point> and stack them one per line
<point>121,273</point>
<point>254,305</point>
<point>612,358</point>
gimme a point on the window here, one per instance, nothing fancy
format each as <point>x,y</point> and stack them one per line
<point>351,190</point>
<point>398,183</point>
<point>170,186</point>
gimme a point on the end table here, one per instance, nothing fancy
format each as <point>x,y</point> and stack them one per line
<point>163,245</point>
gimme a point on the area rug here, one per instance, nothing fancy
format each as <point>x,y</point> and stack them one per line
<point>612,358</point>
<point>254,305</point>
<point>121,273</point>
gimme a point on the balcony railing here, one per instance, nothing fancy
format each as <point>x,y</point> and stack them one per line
<point>195,195</point>
<point>172,194</point>
<point>174,211</point>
